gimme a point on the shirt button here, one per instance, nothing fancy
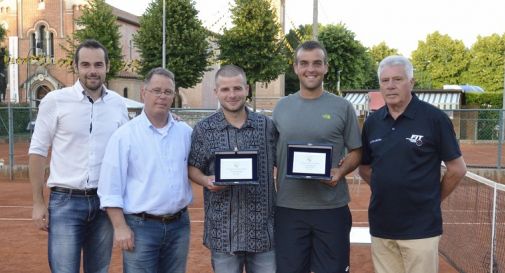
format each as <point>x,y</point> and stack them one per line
<point>393,128</point>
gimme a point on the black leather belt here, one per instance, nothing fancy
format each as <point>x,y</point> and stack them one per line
<point>85,192</point>
<point>162,218</point>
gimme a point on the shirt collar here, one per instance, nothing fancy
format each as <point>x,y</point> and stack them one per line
<point>410,111</point>
<point>81,94</point>
<point>223,123</point>
<point>146,123</point>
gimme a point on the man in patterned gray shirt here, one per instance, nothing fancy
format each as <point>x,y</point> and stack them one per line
<point>238,218</point>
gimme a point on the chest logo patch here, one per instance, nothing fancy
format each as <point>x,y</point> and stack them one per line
<point>326,116</point>
<point>417,139</point>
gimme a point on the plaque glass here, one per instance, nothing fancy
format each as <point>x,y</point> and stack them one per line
<point>309,161</point>
<point>236,168</point>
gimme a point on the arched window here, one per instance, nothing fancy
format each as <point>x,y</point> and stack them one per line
<point>42,42</point>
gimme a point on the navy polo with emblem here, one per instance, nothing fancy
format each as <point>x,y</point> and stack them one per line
<point>405,156</point>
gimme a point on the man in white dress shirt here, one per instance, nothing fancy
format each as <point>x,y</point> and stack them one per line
<point>76,122</point>
<point>144,183</point>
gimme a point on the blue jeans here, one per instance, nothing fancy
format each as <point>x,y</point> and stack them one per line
<point>77,224</point>
<point>262,262</point>
<point>159,247</point>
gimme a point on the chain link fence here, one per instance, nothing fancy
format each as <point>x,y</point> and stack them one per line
<point>480,132</point>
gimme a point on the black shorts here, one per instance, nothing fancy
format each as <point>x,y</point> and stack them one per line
<point>312,240</point>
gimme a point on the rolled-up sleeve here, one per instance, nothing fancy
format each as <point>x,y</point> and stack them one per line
<point>113,172</point>
<point>45,126</point>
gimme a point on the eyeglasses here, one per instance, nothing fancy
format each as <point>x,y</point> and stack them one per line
<point>158,92</point>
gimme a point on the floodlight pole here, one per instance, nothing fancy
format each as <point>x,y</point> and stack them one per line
<point>163,49</point>
<point>315,23</point>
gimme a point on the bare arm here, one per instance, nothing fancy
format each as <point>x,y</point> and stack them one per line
<point>349,164</point>
<point>456,170</point>
<point>37,168</point>
<point>197,176</point>
<point>123,235</point>
<point>365,171</point>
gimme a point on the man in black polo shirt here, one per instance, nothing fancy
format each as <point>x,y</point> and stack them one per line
<point>404,144</point>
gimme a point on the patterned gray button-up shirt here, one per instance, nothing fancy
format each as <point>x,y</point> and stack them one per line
<point>240,217</point>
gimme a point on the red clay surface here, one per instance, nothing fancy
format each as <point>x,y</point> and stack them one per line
<point>474,154</point>
<point>23,249</point>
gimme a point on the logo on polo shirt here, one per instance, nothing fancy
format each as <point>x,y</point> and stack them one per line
<point>326,116</point>
<point>417,139</point>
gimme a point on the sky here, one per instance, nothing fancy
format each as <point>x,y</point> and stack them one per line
<point>399,23</point>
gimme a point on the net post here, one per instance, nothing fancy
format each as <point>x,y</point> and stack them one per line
<point>493,232</point>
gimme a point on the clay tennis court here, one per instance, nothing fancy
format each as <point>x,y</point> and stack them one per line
<point>23,249</point>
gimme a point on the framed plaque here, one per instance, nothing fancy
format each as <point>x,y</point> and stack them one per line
<point>309,161</point>
<point>236,168</point>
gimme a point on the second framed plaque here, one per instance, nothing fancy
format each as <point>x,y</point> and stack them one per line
<point>309,161</point>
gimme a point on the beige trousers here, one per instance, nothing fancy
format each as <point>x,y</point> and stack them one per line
<point>405,256</point>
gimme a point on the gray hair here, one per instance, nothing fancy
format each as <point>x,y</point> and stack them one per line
<point>230,70</point>
<point>396,60</point>
<point>159,71</point>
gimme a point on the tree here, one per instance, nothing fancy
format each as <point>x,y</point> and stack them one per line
<point>486,63</point>
<point>254,42</point>
<point>439,60</point>
<point>381,51</point>
<point>187,47</point>
<point>348,59</point>
<point>97,22</point>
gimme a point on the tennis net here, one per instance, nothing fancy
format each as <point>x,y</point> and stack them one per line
<point>474,226</point>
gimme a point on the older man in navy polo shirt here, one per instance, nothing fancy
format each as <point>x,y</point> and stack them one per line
<point>404,144</point>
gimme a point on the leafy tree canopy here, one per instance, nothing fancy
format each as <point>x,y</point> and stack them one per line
<point>439,60</point>
<point>487,63</point>
<point>254,43</point>
<point>187,45</point>
<point>381,51</point>
<point>97,22</point>
<point>347,55</point>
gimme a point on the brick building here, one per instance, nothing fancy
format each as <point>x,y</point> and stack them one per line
<point>38,28</point>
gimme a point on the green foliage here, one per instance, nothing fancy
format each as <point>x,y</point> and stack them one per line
<point>348,55</point>
<point>97,22</point>
<point>254,43</point>
<point>3,33</point>
<point>486,100</point>
<point>381,51</point>
<point>487,63</point>
<point>439,60</point>
<point>187,47</point>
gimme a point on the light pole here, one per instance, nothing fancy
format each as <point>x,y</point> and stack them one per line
<point>163,57</point>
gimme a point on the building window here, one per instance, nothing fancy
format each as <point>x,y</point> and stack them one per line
<point>41,5</point>
<point>42,42</point>
<point>125,92</point>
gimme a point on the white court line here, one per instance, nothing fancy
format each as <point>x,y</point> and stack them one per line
<point>360,235</point>
<point>15,219</point>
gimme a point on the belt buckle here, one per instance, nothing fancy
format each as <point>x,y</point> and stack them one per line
<point>168,218</point>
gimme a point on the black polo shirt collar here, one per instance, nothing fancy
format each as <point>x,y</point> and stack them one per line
<point>410,111</point>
